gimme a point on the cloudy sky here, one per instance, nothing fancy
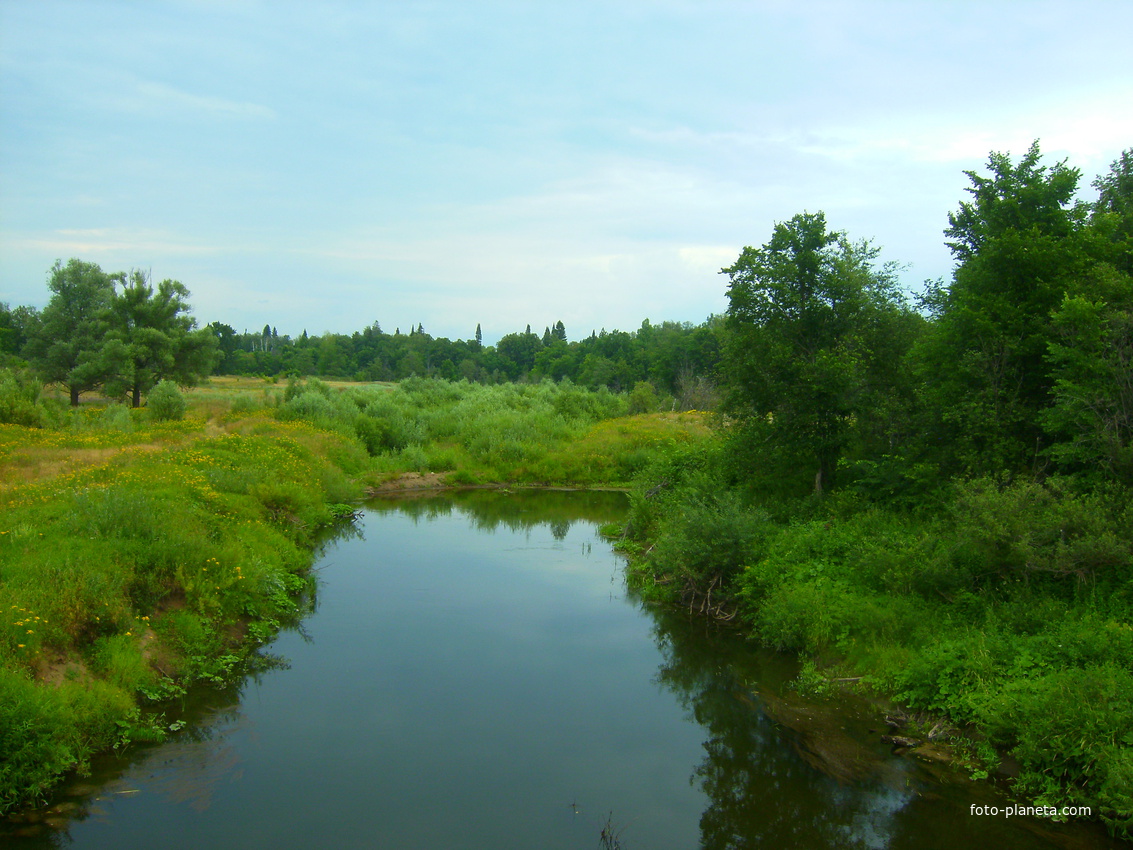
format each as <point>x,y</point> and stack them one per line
<point>322,166</point>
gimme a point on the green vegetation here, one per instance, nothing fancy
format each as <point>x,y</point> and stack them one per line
<point>543,433</point>
<point>142,550</point>
<point>940,504</point>
<point>137,556</point>
<point>92,335</point>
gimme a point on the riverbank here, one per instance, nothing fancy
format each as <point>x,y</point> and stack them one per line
<point>1003,608</point>
<point>140,558</point>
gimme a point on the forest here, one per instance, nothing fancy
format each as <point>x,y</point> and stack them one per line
<point>926,494</point>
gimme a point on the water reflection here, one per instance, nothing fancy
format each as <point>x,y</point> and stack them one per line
<point>521,510</point>
<point>759,794</point>
<point>780,770</point>
<point>188,769</point>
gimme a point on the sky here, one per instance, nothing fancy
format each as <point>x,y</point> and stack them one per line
<point>324,166</point>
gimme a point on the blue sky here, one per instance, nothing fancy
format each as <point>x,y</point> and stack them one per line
<point>322,166</point>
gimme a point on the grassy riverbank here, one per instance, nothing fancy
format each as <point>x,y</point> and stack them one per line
<point>1005,608</point>
<point>137,559</point>
<point>138,556</point>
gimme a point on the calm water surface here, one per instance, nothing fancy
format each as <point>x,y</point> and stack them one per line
<point>474,676</point>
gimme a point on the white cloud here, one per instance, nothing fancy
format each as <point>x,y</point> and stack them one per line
<point>96,243</point>
<point>161,96</point>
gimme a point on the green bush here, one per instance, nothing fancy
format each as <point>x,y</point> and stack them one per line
<point>643,398</point>
<point>166,403</point>
<point>20,400</point>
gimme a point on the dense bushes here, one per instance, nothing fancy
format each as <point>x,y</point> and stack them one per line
<point>1007,608</point>
<point>497,433</point>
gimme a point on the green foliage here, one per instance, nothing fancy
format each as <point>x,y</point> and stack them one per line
<point>1031,533</point>
<point>1007,607</point>
<point>1021,243</point>
<point>66,345</point>
<point>1091,362</point>
<point>643,398</point>
<point>806,314</point>
<point>166,402</point>
<point>152,336</point>
<point>159,555</point>
<point>20,402</point>
<point>90,335</point>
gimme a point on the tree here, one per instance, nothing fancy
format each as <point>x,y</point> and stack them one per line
<point>1113,211</point>
<point>797,342</point>
<point>1091,359</point>
<point>66,347</point>
<point>227,345</point>
<point>1019,244</point>
<point>518,352</point>
<point>17,327</point>
<point>153,337</point>
<point>1090,355</point>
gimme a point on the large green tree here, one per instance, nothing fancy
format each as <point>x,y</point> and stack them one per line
<point>806,311</point>
<point>1090,356</point>
<point>1020,243</point>
<point>66,346</point>
<point>152,337</point>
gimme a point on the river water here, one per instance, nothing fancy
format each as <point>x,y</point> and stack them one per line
<point>474,675</point>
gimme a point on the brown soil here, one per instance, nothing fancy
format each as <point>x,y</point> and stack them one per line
<point>409,481</point>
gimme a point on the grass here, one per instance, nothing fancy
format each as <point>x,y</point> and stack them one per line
<point>132,557</point>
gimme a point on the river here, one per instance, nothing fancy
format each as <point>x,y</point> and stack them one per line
<point>474,675</point>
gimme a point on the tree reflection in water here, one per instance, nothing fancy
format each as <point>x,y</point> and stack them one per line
<point>761,792</point>
<point>520,510</point>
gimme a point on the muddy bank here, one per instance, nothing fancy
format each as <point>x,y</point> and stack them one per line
<point>408,483</point>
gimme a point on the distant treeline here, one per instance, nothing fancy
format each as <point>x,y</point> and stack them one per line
<point>65,343</point>
<point>674,357</point>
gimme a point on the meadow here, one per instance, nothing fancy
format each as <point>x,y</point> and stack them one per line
<point>142,551</point>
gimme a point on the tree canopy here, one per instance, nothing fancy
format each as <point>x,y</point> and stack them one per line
<point>800,343</point>
<point>115,332</point>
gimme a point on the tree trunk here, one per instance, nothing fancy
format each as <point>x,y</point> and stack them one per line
<point>74,395</point>
<point>137,398</point>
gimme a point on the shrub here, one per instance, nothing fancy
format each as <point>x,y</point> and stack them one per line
<point>643,398</point>
<point>166,403</point>
<point>19,400</point>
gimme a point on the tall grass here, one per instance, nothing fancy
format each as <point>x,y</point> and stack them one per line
<point>552,433</point>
